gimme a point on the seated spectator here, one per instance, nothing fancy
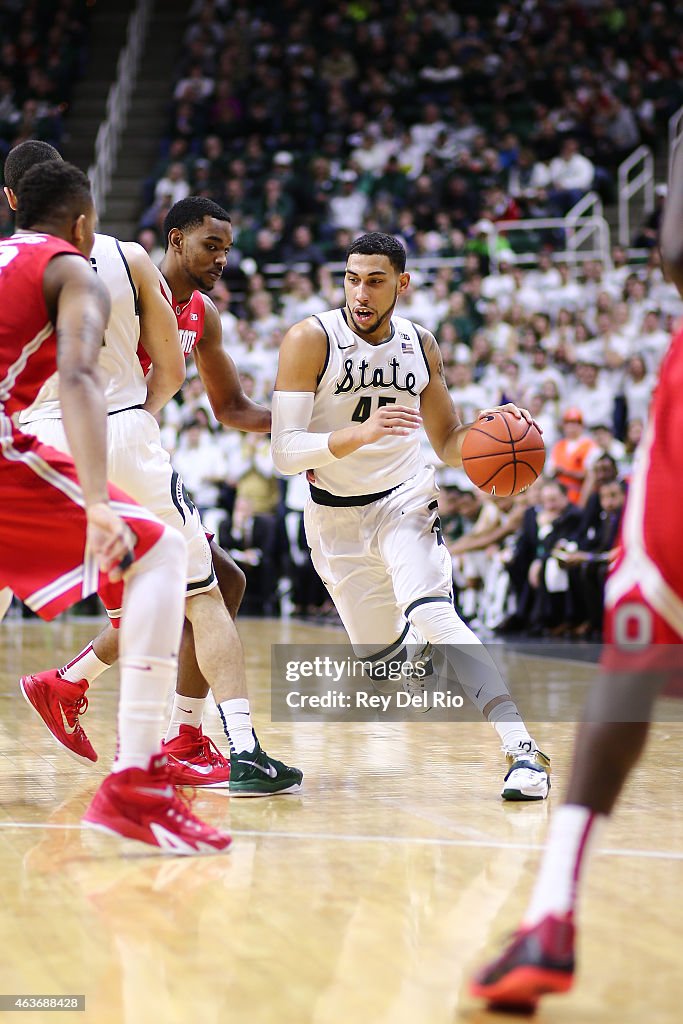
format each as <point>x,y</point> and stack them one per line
<point>571,176</point>
<point>474,553</point>
<point>593,395</point>
<point>587,561</point>
<point>468,398</point>
<point>571,456</point>
<point>173,185</point>
<point>653,340</point>
<point>250,539</point>
<point>637,389</point>
<point>540,584</point>
<point>300,301</point>
<point>301,252</point>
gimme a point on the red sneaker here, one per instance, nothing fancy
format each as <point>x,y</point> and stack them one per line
<point>60,704</point>
<point>195,760</point>
<point>142,804</point>
<point>536,962</point>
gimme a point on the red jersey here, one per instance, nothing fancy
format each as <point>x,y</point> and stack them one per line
<point>28,340</point>
<point>190,317</point>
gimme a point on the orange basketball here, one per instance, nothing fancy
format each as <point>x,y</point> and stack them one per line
<point>503,455</point>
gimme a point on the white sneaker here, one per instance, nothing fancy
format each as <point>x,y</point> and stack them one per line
<point>528,777</point>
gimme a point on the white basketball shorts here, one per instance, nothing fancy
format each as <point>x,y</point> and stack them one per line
<point>139,465</point>
<point>378,560</point>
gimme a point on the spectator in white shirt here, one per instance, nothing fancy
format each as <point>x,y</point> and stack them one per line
<point>545,276</point>
<point>174,184</point>
<point>501,286</point>
<point>593,396</point>
<point>637,389</point>
<point>347,209</point>
<point>571,176</point>
<point>653,340</point>
<point>469,398</point>
<point>500,334</point>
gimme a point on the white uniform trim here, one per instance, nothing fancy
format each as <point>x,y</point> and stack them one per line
<point>638,569</point>
<point>19,365</point>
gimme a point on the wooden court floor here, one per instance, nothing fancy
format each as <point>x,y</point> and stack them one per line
<point>368,898</point>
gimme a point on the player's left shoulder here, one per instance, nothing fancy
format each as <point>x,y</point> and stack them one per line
<point>211,329</point>
<point>429,346</point>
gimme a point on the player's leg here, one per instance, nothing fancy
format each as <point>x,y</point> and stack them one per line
<point>358,583</point>
<point>410,543</point>
<point>220,660</point>
<point>539,959</point>
<point>42,487</point>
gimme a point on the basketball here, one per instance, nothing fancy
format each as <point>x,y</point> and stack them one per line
<point>503,455</point>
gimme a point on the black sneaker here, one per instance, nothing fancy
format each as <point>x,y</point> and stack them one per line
<point>254,773</point>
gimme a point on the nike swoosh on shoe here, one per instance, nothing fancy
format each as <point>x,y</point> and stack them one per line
<point>201,769</point>
<point>269,771</point>
<point>70,729</point>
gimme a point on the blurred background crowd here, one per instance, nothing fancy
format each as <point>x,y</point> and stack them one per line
<point>433,121</point>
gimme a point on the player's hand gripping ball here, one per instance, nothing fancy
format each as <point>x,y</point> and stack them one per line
<point>503,455</point>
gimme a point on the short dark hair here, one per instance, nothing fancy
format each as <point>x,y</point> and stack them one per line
<point>52,191</point>
<point>376,243</point>
<point>25,156</point>
<point>190,212</point>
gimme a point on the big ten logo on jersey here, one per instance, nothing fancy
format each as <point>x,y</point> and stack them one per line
<point>188,339</point>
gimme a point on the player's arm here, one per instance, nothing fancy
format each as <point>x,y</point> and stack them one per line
<point>158,330</point>
<point>671,239</point>
<point>78,304</point>
<point>294,447</point>
<point>221,381</point>
<point>441,421</point>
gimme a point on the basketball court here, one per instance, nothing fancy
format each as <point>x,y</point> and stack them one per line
<point>369,897</point>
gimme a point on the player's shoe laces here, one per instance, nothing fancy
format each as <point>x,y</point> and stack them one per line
<point>195,760</point>
<point>528,777</point>
<point>60,704</point>
<point>254,773</point>
<point>537,961</point>
<point>142,804</point>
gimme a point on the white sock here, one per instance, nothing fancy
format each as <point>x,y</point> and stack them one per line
<point>567,844</point>
<point>145,682</point>
<point>237,724</point>
<point>507,721</point>
<point>85,665</point>
<point>186,711</point>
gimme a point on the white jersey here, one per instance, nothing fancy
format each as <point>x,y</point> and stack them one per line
<point>125,385</point>
<point>356,380</point>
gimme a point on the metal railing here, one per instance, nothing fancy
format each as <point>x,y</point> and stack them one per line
<point>118,102</point>
<point>641,165</point>
<point>585,238</point>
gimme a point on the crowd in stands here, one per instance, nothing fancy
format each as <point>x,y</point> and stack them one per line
<point>42,54</point>
<point>311,125</point>
<point>422,117</point>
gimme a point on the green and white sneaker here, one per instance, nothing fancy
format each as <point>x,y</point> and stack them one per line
<point>254,773</point>
<point>528,776</point>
